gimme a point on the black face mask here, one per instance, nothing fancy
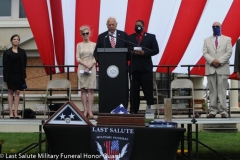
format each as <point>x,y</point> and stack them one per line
<point>138,29</point>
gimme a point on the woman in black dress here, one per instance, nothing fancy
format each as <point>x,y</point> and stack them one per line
<point>14,73</point>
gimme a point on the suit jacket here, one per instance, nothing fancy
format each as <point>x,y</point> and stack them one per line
<point>104,42</point>
<point>144,63</point>
<point>7,62</point>
<point>237,57</point>
<point>222,54</point>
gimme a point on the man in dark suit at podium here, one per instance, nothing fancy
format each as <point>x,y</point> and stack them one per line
<point>112,38</point>
<point>141,66</point>
<point>114,41</point>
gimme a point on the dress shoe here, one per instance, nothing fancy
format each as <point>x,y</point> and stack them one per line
<point>211,116</point>
<point>11,117</point>
<point>224,115</point>
<point>91,117</point>
<point>197,115</point>
<point>16,117</point>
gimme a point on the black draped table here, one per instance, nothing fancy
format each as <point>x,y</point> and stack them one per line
<point>149,143</point>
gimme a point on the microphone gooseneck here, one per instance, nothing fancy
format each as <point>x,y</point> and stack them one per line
<point>129,43</point>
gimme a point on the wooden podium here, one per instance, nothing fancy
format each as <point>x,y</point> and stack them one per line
<point>113,78</point>
<point>106,119</point>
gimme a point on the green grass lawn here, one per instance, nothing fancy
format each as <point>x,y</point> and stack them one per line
<point>15,142</point>
<point>227,144</point>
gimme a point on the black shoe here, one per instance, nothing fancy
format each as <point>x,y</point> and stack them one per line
<point>224,115</point>
<point>211,116</point>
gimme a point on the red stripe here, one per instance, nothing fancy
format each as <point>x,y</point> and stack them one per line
<point>37,14</point>
<point>231,23</point>
<point>199,70</point>
<point>230,27</point>
<point>87,13</point>
<point>137,10</point>
<point>109,148</point>
<point>233,76</point>
<point>182,32</point>
<point>58,31</point>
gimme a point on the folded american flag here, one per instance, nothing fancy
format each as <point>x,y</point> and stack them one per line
<point>120,110</point>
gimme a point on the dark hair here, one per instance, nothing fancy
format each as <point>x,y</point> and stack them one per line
<point>141,21</point>
<point>15,35</point>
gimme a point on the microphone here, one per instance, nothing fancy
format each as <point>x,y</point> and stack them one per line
<point>129,43</point>
<point>104,41</point>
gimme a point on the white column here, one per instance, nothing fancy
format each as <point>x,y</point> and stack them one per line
<point>234,95</point>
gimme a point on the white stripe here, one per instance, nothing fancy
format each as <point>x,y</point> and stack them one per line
<point>161,22</point>
<point>215,11</point>
<point>232,58</point>
<point>118,9</point>
<point>51,27</point>
<point>68,8</point>
<point>50,17</point>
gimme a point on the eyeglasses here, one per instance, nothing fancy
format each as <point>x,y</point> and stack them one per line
<point>215,26</point>
<point>87,33</point>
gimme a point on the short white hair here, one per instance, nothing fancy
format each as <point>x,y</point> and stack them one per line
<point>111,18</point>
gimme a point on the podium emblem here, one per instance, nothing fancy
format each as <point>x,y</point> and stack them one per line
<point>112,71</point>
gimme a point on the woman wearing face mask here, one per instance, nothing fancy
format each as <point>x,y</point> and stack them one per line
<point>14,73</point>
<point>86,70</point>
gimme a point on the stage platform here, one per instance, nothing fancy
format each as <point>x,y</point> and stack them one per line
<point>183,122</point>
<point>203,120</point>
<point>30,125</point>
<point>6,121</point>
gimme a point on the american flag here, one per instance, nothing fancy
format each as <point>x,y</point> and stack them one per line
<point>112,148</point>
<point>67,112</point>
<point>67,115</point>
<point>180,26</point>
<point>119,110</point>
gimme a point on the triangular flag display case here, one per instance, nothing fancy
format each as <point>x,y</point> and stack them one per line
<point>68,114</point>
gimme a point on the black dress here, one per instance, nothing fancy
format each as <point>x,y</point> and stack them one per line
<point>15,80</point>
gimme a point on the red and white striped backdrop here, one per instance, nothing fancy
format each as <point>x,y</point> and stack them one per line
<point>179,25</point>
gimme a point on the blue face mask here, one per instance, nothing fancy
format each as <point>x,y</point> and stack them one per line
<point>216,30</point>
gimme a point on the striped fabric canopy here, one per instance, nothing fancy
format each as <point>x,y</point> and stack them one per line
<point>180,26</point>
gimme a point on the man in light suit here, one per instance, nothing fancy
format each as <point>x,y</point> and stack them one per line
<point>237,59</point>
<point>141,67</point>
<point>217,51</point>
<point>104,39</point>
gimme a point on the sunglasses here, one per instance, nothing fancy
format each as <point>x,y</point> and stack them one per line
<point>87,33</point>
<point>215,26</point>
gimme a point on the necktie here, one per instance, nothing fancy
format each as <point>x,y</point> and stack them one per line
<point>138,40</point>
<point>112,42</point>
<point>216,42</point>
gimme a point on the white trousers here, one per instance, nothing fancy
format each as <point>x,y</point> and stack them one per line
<point>217,85</point>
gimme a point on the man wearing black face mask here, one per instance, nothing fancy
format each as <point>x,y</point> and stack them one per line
<point>141,66</point>
<point>217,51</point>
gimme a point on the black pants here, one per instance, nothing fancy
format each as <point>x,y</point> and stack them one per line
<point>144,80</point>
